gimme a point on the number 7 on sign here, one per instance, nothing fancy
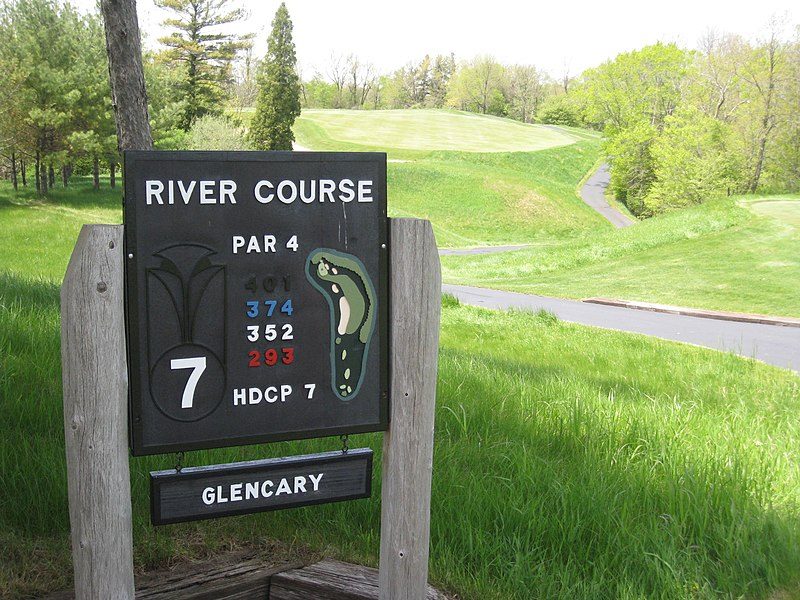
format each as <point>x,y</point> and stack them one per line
<point>198,365</point>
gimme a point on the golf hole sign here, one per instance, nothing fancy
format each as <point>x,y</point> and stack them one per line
<point>256,297</point>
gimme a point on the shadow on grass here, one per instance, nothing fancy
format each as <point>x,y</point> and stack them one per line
<point>79,194</point>
<point>571,498</point>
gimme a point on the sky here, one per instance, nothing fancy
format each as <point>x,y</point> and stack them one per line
<point>556,35</point>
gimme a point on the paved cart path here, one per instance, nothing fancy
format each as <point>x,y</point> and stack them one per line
<point>772,344</point>
<point>593,193</point>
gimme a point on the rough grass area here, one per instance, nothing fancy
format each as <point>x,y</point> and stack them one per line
<point>732,254</point>
<point>570,462</point>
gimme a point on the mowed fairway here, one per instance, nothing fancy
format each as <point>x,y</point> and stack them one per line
<point>434,130</point>
<point>480,180</point>
<point>728,254</point>
<point>567,464</point>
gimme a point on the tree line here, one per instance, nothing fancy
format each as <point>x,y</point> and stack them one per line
<point>481,85</point>
<point>680,125</point>
<point>684,125</point>
<point>55,104</point>
<point>56,113</point>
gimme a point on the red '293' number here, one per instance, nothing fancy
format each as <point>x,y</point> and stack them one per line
<point>271,356</point>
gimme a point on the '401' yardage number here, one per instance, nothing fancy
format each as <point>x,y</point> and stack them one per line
<point>268,283</point>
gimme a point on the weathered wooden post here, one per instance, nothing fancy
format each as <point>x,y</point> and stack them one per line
<point>415,290</point>
<point>95,415</point>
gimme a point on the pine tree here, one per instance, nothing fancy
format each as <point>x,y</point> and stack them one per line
<point>278,103</point>
<point>204,52</point>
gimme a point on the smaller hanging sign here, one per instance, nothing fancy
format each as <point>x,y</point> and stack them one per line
<point>255,486</point>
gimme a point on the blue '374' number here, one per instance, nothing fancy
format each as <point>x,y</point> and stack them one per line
<point>253,306</point>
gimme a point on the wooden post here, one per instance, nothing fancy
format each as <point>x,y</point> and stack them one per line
<point>95,415</point>
<point>415,291</point>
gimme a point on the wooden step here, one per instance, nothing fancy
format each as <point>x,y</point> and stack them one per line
<point>235,576</point>
<point>243,576</point>
<point>331,580</point>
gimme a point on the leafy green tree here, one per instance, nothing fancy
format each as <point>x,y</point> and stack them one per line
<point>442,71</point>
<point>215,133</point>
<point>318,93</point>
<point>641,86</point>
<point>763,73</point>
<point>525,92</point>
<point>783,173</point>
<point>631,97</point>
<point>165,109</point>
<point>693,160</point>
<point>278,103</point>
<point>49,45</point>
<point>560,109</point>
<point>204,52</point>
<point>476,86</point>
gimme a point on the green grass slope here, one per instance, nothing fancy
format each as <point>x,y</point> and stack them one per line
<point>431,130</point>
<point>731,254</point>
<point>489,192</point>
<point>565,466</point>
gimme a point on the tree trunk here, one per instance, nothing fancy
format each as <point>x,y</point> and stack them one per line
<point>37,166</point>
<point>762,150</point>
<point>14,171</point>
<point>51,176</point>
<point>22,172</point>
<point>64,176</point>
<point>112,177</point>
<point>43,177</point>
<point>129,96</point>
<point>95,173</point>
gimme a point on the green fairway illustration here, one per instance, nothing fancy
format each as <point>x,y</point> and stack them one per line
<point>342,279</point>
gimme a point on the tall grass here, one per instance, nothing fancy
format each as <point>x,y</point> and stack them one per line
<point>569,462</point>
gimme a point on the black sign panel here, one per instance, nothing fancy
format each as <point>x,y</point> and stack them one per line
<point>256,296</point>
<point>260,485</point>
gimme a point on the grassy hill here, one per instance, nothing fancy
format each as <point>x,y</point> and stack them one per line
<point>732,254</point>
<point>736,254</point>
<point>494,190</point>
<point>565,465</point>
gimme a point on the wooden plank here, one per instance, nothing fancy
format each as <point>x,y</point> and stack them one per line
<point>234,576</point>
<point>95,415</point>
<point>241,578</point>
<point>332,580</point>
<point>415,291</point>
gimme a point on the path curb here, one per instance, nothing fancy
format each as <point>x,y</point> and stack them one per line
<point>696,312</point>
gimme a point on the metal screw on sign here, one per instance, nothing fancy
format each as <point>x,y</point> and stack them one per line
<point>345,447</point>
<point>179,461</point>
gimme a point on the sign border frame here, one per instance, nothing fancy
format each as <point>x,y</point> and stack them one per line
<point>131,303</point>
<point>159,477</point>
